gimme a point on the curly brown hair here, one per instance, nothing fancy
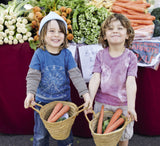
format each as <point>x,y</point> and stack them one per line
<point>125,23</point>
<point>44,31</point>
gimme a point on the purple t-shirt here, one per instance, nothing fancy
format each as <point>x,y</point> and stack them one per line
<point>114,72</point>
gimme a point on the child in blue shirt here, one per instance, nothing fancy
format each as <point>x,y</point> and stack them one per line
<point>51,68</point>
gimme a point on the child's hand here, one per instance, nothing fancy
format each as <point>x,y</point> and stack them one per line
<point>132,114</point>
<point>29,100</point>
<point>88,102</point>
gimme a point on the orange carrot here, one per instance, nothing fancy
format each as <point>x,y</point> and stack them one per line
<point>117,9</point>
<point>138,27</point>
<point>123,1</point>
<point>143,22</point>
<point>64,110</point>
<point>115,125</point>
<point>140,17</point>
<point>100,121</point>
<point>115,116</point>
<point>131,7</point>
<point>56,109</point>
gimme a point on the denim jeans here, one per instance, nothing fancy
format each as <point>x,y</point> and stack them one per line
<point>41,135</point>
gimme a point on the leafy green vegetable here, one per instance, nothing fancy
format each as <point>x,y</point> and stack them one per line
<point>61,119</point>
<point>86,23</point>
<point>105,123</point>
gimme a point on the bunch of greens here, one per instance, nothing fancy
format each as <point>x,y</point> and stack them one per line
<point>71,3</point>
<point>87,22</point>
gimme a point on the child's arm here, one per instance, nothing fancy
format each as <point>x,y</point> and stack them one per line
<point>79,83</point>
<point>131,88</point>
<point>33,78</point>
<point>94,85</point>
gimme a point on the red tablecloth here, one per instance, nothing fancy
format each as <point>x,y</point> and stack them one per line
<point>14,62</point>
<point>148,102</point>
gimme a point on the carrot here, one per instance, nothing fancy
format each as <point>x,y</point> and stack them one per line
<point>132,12</point>
<point>142,2</point>
<point>143,22</point>
<point>138,27</point>
<point>140,17</point>
<point>117,9</point>
<point>115,125</point>
<point>115,116</point>
<point>100,121</point>
<point>64,110</point>
<point>56,109</point>
<point>123,1</point>
<point>131,7</point>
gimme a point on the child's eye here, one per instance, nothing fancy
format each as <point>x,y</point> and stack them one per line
<point>120,28</point>
<point>51,30</point>
<point>110,28</point>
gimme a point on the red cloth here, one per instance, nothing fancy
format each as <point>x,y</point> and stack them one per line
<point>148,102</point>
<point>14,62</point>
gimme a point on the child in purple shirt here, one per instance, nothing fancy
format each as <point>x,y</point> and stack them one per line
<point>113,81</point>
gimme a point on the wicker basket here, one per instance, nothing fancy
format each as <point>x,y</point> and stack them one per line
<point>110,139</point>
<point>58,130</point>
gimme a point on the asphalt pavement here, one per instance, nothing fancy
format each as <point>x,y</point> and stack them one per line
<point>26,140</point>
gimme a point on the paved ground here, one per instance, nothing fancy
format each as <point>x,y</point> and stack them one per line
<point>26,140</point>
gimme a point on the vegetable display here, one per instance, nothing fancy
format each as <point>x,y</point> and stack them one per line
<point>20,19</point>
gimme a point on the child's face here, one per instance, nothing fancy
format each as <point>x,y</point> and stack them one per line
<point>54,36</point>
<point>116,33</point>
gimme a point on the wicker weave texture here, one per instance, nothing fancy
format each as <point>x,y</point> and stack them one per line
<point>59,130</point>
<point>110,139</point>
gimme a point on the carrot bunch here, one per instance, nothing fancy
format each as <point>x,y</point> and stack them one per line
<point>65,13</point>
<point>37,17</point>
<point>58,111</point>
<point>115,121</point>
<point>136,11</point>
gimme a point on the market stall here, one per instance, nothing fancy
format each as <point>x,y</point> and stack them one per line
<point>16,53</point>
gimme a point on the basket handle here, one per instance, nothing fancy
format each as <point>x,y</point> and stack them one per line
<point>94,115</point>
<point>127,121</point>
<point>81,110</point>
<point>35,108</point>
